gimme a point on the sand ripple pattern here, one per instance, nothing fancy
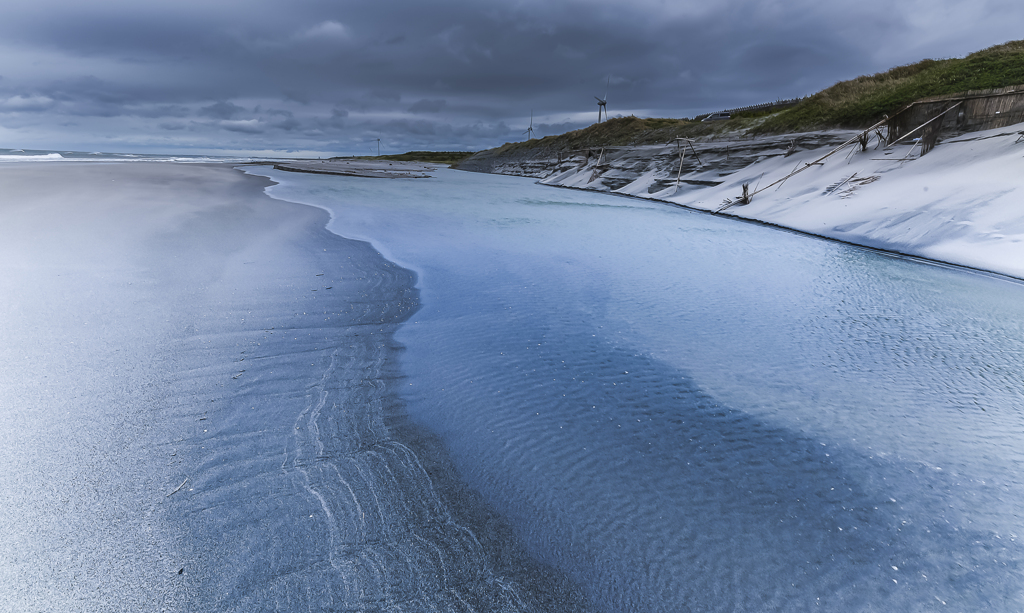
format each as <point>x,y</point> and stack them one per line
<point>300,497</point>
<point>393,544</point>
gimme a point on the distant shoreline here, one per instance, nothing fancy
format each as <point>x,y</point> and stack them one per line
<point>371,169</point>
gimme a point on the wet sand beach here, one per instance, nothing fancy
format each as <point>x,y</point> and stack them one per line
<point>195,403</point>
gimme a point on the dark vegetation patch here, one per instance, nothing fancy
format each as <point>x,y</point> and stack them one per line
<point>618,132</point>
<point>434,157</point>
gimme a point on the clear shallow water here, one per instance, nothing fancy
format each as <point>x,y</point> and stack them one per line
<point>682,412</point>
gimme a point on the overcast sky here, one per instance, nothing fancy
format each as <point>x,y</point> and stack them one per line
<point>326,77</point>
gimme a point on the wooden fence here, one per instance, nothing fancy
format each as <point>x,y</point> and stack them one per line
<point>976,110</point>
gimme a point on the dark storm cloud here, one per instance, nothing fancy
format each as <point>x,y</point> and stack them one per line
<point>288,123</point>
<point>461,72</point>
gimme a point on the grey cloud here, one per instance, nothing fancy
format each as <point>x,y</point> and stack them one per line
<point>481,130</point>
<point>29,103</point>
<point>89,89</point>
<point>298,96</point>
<point>221,110</point>
<point>569,53</point>
<point>344,68</point>
<point>157,111</point>
<point>385,95</point>
<point>93,108</point>
<point>330,124</point>
<point>288,124</point>
<point>246,126</point>
<point>428,106</point>
<point>414,127</point>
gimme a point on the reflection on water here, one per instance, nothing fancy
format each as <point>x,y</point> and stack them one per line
<point>688,413</point>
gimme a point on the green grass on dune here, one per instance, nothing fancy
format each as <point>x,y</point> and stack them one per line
<point>856,103</point>
<point>860,102</point>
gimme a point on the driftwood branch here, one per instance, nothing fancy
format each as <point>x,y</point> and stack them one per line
<point>177,488</point>
<point>821,159</point>
<point>679,173</point>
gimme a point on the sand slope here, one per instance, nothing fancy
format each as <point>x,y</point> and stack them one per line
<point>958,204</point>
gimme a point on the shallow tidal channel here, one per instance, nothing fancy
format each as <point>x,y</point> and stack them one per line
<point>681,412</point>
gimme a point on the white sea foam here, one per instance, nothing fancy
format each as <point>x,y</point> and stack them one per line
<point>42,157</point>
<point>19,155</point>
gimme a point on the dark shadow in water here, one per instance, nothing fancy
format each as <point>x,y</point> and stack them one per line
<point>652,495</point>
<point>547,588</point>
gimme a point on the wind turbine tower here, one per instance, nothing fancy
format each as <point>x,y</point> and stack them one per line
<point>530,129</point>
<point>602,103</point>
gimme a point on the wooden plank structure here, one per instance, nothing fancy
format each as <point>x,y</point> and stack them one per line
<point>977,110</point>
<point>929,130</point>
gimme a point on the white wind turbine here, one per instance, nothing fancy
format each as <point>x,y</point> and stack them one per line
<point>530,129</point>
<point>602,103</point>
